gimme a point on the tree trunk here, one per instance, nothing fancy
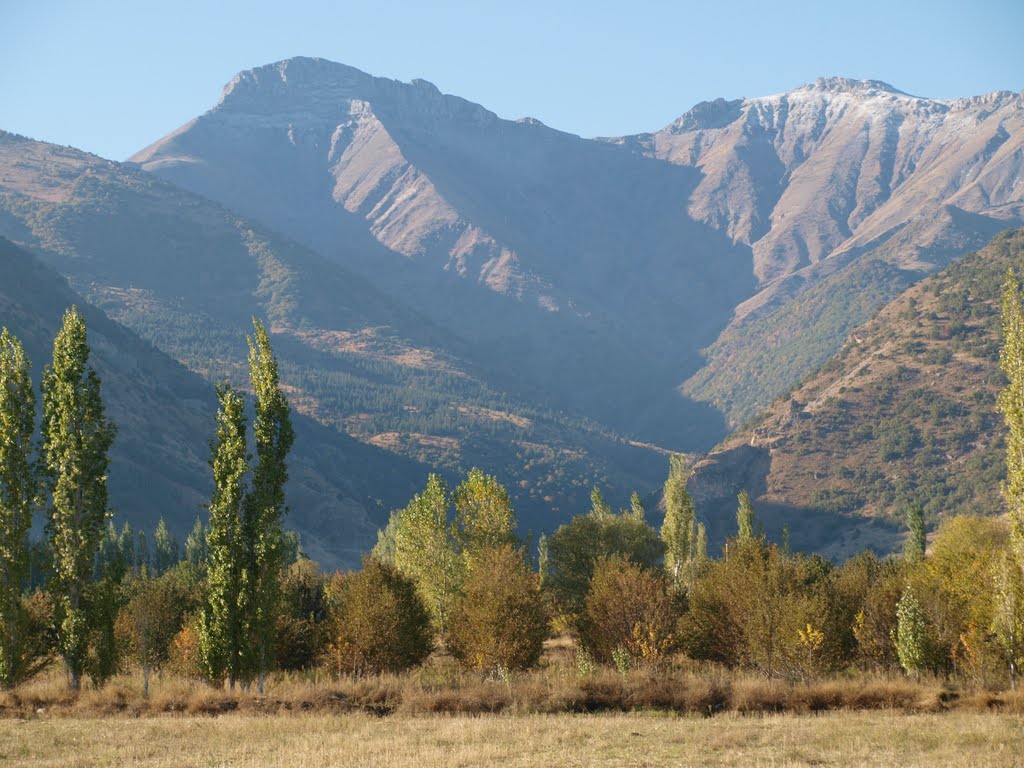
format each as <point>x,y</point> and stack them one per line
<point>145,680</point>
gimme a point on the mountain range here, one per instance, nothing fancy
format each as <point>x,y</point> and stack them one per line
<point>447,288</point>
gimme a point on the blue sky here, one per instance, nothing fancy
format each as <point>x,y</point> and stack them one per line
<point>111,77</point>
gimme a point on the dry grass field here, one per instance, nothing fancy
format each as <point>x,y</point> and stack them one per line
<point>836,739</point>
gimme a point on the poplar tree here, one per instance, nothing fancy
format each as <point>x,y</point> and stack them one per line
<point>17,500</point>
<point>265,504</point>
<point>424,548</point>
<point>483,514</point>
<point>165,549</point>
<point>745,518</point>
<point>1011,405</point>
<point>678,528</point>
<point>76,439</point>
<point>224,632</point>
<point>911,636</point>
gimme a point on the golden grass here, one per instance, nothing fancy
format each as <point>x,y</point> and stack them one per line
<point>442,687</point>
<point>847,739</point>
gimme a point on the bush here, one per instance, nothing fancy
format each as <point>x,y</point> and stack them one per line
<point>300,641</point>
<point>628,610</point>
<point>377,621</point>
<point>499,621</point>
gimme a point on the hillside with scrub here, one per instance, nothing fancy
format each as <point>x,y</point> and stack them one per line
<point>903,414</point>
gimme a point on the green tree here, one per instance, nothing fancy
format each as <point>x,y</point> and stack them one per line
<point>745,523</point>
<point>577,545</point>
<point>1011,405</point>
<point>911,636</point>
<point>76,440</point>
<point>224,631</point>
<point>195,545</point>
<point>384,550</point>
<point>425,549</point>
<point>914,546</point>
<point>678,528</point>
<point>483,514</point>
<point>1008,614</point>
<point>165,549</point>
<point>17,500</point>
<point>264,506</point>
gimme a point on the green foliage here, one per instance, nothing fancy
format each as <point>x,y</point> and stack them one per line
<point>678,532</point>
<point>300,636</point>
<point>1011,405</point>
<point>498,621</point>
<point>76,440</point>
<point>484,519</point>
<point>425,549</point>
<point>224,630</point>
<point>377,621</point>
<point>264,506</point>
<point>745,522</point>
<point>576,546</point>
<point>911,637</point>
<point>17,500</point>
<point>914,546</point>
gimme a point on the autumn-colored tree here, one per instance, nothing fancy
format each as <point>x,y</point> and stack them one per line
<point>377,621</point>
<point>628,614</point>
<point>498,619</point>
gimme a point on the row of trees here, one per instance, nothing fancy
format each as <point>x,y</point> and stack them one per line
<point>88,564</point>
<point>241,601</point>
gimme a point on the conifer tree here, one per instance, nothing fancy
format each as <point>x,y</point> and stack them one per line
<point>76,439</point>
<point>678,528</point>
<point>914,546</point>
<point>17,500</point>
<point>225,621</point>
<point>265,504</point>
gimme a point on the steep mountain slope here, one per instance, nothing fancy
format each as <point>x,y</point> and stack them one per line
<point>653,242</point>
<point>165,419</point>
<point>187,275</point>
<point>904,413</point>
<point>589,241</point>
<point>822,178</point>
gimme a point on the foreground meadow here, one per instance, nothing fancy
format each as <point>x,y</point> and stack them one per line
<point>836,739</point>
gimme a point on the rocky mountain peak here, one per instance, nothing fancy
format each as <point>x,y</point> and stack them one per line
<point>853,86</point>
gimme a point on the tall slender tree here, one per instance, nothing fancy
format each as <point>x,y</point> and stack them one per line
<point>265,504</point>
<point>224,635</point>
<point>745,524</point>
<point>425,551</point>
<point>76,440</point>
<point>17,499</point>
<point>1011,405</point>
<point>916,541</point>
<point>678,528</point>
